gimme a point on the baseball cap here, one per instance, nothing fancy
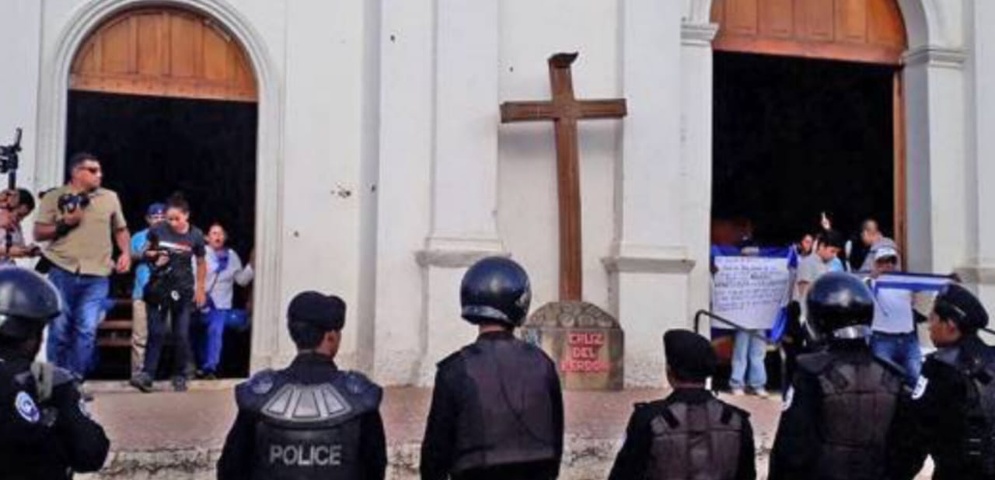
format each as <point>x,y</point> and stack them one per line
<point>156,209</point>
<point>326,312</point>
<point>885,252</point>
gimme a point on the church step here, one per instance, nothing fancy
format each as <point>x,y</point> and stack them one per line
<point>114,342</point>
<point>184,437</point>
<point>115,324</point>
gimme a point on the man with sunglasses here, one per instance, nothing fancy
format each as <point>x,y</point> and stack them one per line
<point>79,220</point>
<point>950,412</point>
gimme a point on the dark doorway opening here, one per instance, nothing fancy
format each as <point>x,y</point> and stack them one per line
<point>796,137</point>
<point>151,147</point>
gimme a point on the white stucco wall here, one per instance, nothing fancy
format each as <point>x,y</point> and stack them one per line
<point>980,69</point>
<point>324,131</point>
<point>20,28</point>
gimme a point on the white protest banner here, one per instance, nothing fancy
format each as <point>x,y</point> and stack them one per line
<point>749,290</point>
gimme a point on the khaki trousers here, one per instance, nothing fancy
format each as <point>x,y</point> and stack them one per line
<point>139,335</point>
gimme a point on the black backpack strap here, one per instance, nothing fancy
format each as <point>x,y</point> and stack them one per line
<point>727,413</point>
<point>669,417</point>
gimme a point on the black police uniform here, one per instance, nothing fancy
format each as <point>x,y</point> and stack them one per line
<point>663,439</point>
<point>45,429</point>
<point>690,434</point>
<point>45,439</point>
<point>934,420</point>
<point>310,420</point>
<point>841,403</point>
<point>497,408</point>
<point>943,417</point>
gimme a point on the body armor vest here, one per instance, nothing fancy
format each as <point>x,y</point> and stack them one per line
<point>695,442</point>
<point>859,396</point>
<point>46,459</point>
<point>509,418</point>
<point>307,431</point>
<point>979,408</point>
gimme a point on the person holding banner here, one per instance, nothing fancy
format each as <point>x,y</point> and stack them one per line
<point>951,413</point>
<point>894,338</point>
<point>749,351</point>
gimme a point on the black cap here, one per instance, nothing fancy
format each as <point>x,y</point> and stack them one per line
<point>326,312</point>
<point>959,305</point>
<point>689,355</point>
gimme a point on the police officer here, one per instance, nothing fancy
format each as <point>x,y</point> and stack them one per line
<point>45,430</point>
<point>310,420</point>
<point>842,400</point>
<point>689,434</point>
<point>949,414</point>
<point>497,408</point>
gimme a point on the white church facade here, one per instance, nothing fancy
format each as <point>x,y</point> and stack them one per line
<point>383,171</point>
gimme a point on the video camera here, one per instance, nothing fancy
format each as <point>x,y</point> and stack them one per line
<point>9,161</point>
<point>69,202</point>
<point>9,158</point>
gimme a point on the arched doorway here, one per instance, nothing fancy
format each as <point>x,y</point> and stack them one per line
<point>167,99</point>
<point>809,114</point>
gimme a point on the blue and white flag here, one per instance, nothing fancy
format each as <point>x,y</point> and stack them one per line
<point>914,282</point>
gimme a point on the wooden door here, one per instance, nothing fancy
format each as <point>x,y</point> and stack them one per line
<point>870,31</point>
<point>864,31</point>
<point>165,52</point>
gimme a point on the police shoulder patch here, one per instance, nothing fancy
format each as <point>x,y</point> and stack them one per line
<point>789,397</point>
<point>83,410</point>
<point>357,383</point>
<point>920,389</point>
<point>262,382</point>
<point>26,407</point>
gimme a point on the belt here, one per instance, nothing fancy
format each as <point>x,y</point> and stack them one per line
<point>891,334</point>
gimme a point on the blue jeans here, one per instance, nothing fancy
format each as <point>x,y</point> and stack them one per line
<point>748,361</point>
<point>72,335</point>
<point>209,343</point>
<point>179,313</point>
<point>902,349</point>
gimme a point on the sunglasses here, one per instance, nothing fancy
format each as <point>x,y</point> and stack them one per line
<point>93,170</point>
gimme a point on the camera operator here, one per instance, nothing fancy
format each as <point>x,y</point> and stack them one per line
<point>18,204</point>
<point>173,290</point>
<point>79,219</point>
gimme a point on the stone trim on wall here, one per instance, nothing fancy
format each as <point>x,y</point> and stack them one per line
<point>677,264</point>
<point>933,56</point>
<point>698,34</point>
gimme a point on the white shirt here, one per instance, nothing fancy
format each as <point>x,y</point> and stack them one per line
<point>893,311</point>
<point>220,286</point>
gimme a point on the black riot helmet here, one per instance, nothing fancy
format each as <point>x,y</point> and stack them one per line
<point>27,303</point>
<point>840,306</point>
<point>495,290</point>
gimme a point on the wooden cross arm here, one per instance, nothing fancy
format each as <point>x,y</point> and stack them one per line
<point>608,108</point>
<point>526,111</point>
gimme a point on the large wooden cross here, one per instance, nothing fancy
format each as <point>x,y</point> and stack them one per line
<point>565,110</point>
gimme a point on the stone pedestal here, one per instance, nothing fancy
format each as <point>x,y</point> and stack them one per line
<point>584,341</point>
